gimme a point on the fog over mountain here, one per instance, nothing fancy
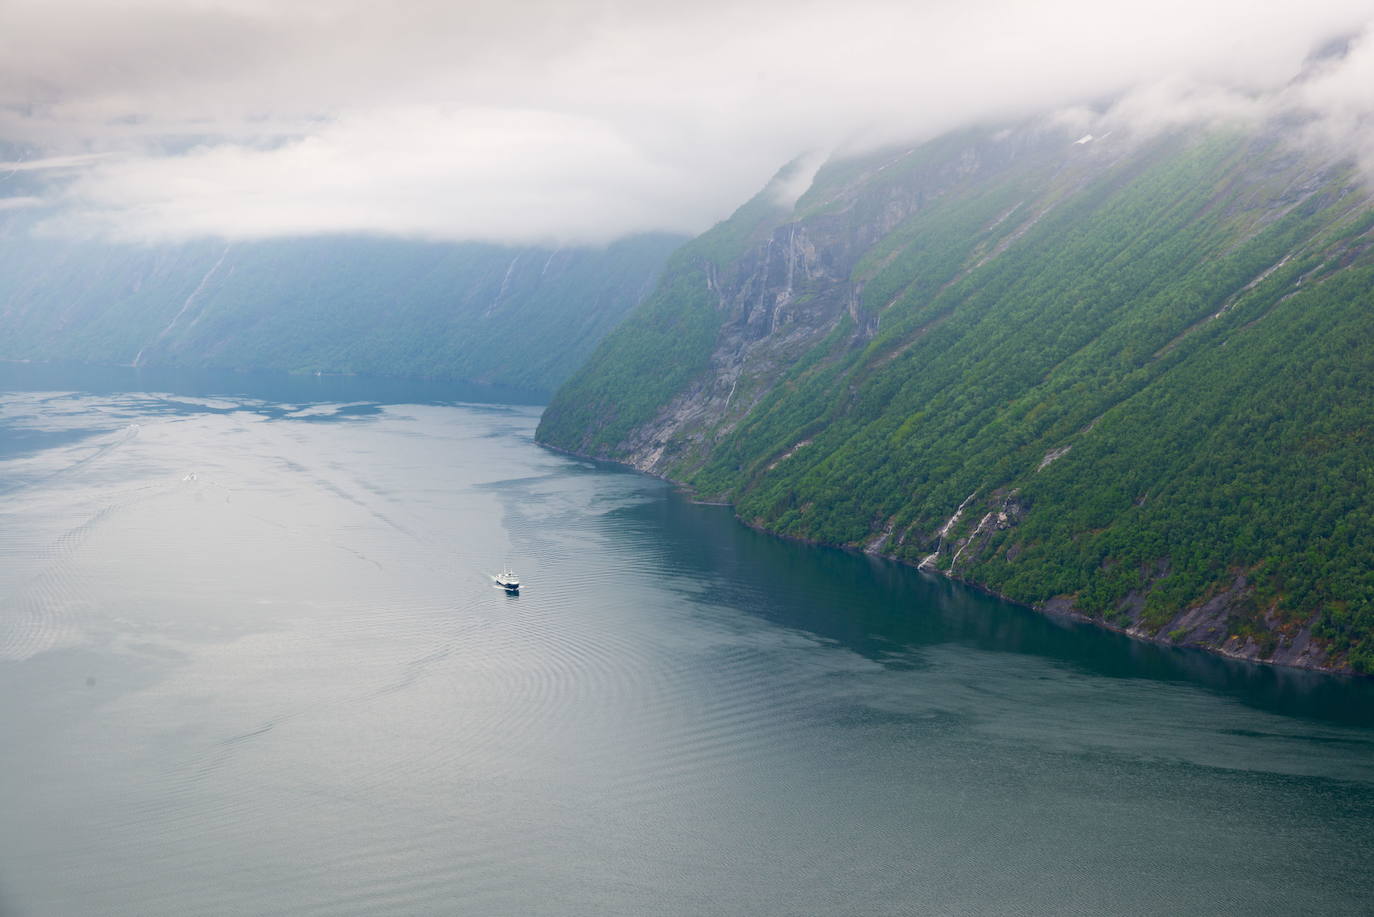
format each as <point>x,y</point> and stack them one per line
<point>553,123</point>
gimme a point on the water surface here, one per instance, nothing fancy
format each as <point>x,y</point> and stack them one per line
<point>252,661</point>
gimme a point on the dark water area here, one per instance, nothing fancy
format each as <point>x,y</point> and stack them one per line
<point>876,593</point>
<point>252,660</point>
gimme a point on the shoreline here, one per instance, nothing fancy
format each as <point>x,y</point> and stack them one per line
<point>1068,612</point>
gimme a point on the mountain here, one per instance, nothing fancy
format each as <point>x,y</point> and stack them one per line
<point>1126,377</point>
<point>524,317</point>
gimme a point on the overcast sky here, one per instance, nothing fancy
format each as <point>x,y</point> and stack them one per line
<point>578,122</point>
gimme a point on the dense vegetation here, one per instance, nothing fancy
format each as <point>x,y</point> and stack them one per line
<point>522,317</point>
<point>1181,327</point>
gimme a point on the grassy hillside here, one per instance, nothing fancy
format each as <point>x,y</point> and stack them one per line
<point>1142,369</point>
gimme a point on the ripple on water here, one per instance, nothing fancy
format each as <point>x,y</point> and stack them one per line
<point>348,718</point>
<point>46,611</point>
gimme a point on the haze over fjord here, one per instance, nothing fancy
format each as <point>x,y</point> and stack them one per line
<point>548,123</point>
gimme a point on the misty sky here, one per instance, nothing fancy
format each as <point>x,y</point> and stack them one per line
<point>578,122</point>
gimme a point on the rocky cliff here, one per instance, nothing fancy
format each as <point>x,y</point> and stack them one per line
<point>1118,376</point>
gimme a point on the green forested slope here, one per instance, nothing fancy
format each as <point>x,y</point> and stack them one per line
<point>524,317</point>
<point>1182,327</point>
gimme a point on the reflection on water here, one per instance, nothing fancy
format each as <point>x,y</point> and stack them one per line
<point>803,588</point>
<point>252,661</point>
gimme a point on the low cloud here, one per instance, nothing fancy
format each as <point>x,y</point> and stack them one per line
<point>1326,108</point>
<point>416,171</point>
<point>51,162</point>
<point>556,122</point>
<point>1338,97</point>
<point>1171,104</point>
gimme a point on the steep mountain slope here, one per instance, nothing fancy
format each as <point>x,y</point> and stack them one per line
<point>524,317</point>
<point>1128,378</point>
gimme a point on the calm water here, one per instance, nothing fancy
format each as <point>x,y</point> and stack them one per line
<point>252,662</point>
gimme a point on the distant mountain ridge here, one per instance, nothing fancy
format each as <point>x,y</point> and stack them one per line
<point>514,316</point>
<point>1125,378</point>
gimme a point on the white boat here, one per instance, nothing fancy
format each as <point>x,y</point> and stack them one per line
<point>507,580</point>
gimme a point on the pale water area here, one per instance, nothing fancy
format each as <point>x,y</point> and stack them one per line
<point>252,661</point>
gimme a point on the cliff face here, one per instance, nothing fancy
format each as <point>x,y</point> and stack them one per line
<point>1118,377</point>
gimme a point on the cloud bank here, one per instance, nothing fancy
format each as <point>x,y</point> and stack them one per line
<point>556,122</point>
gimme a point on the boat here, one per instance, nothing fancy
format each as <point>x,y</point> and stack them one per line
<point>507,580</point>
